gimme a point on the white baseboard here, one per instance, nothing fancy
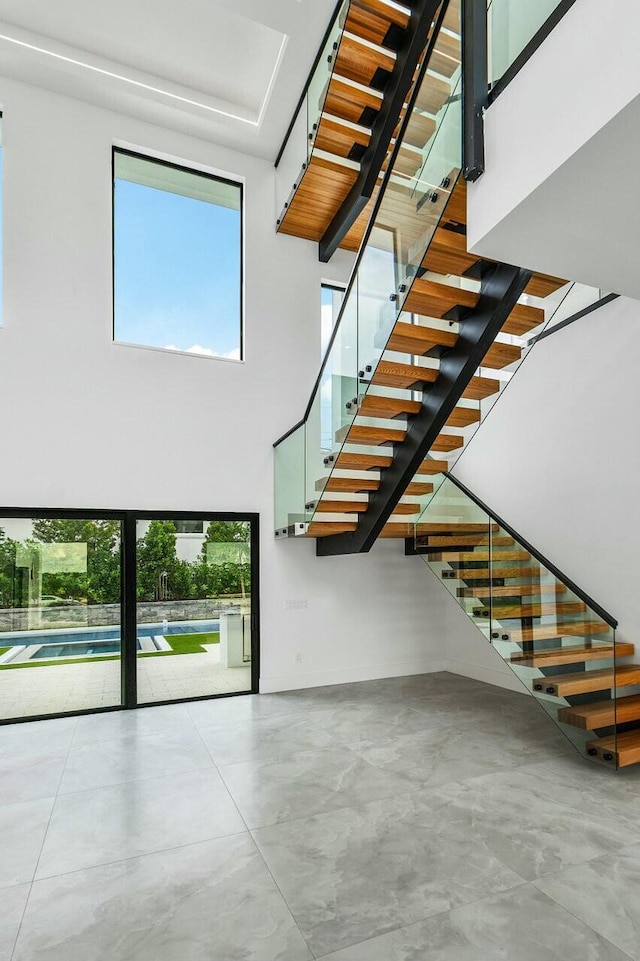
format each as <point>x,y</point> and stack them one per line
<point>488,676</point>
<point>366,672</point>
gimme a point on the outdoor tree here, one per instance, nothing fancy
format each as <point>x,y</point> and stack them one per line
<point>226,552</point>
<point>100,583</point>
<point>161,574</point>
<point>7,570</point>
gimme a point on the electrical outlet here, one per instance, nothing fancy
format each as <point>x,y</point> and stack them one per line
<point>298,657</point>
<point>448,575</point>
<point>296,605</point>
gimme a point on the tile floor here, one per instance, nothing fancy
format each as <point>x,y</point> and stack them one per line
<point>59,688</point>
<point>427,818</point>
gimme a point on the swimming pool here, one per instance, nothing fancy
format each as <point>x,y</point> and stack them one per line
<point>94,642</point>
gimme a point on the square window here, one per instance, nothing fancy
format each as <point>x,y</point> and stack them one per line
<point>177,258</point>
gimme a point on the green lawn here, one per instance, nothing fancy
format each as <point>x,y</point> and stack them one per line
<point>185,644</point>
<point>180,644</point>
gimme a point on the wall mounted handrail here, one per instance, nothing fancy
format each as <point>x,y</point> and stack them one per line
<point>546,563</point>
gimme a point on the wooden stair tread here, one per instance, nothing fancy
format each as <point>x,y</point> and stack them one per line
<point>516,610</point>
<point>432,95</point>
<point>466,556</point>
<point>348,101</point>
<point>460,528</point>
<point>541,285</point>
<point>391,374</point>
<point>319,196</point>
<point>496,573</point>
<point>597,714</point>
<point>624,747</point>
<point>348,485</point>
<point>447,442</point>
<point>416,489</point>
<point>575,654</point>
<point>358,61</point>
<point>367,23</point>
<point>416,339</point>
<point>431,299</point>
<point>339,138</point>
<point>501,355</point>
<point>522,590</point>
<point>565,685</point>
<point>348,461</point>
<point>326,529</point>
<point>463,417</point>
<point>522,319</point>
<point>372,436</point>
<point>461,541</point>
<point>394,15</point>
<point>433,466</point>
<point>420,130</point>
<point>327,506</point>
<point>400,530</point>
<point>479,388</point>
<point>544,632</point>
<point>377,405</point>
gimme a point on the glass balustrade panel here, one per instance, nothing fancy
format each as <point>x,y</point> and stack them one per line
<point>290,462</point>
<point>511,25</point>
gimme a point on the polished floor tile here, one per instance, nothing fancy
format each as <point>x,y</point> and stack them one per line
<point>95,728</point>
<point>22,830</point>
<point>531,834</point>
<point>111,823</point>
<point>427,818</point>
<point>13,901</point>
<point>37,738</point>
<point>605,893</point>
<point>307,783</point>
<point>270,739</point>
<point>213,901</point>
<point>134,758</point>
<point>360,871</point>
<point>519,925</point>
<point>31,776</point>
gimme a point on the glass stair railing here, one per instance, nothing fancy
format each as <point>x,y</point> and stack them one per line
<point>316,493</point>
<point>558,642</point>
<point>406,308</point>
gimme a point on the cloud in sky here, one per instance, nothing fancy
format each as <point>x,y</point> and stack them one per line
<point>206,351</point>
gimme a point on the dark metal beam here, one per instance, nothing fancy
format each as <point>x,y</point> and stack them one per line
<point>395,94</point>
<point>475,86</point>
<point>499,292</point>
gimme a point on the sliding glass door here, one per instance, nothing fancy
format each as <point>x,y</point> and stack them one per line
<point>60,615</point>
<point>194,609</point>
<point>125,609</point>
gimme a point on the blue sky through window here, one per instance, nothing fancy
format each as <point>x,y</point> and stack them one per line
<point>177,271</point>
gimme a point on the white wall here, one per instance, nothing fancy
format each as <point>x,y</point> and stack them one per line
<point>561,139</point>
<point>94,425</point>
<point>558,458</point>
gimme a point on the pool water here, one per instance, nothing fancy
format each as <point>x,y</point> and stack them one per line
<point>77,649</point>
<point>97,641</point>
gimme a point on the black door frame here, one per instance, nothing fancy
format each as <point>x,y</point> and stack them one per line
<point>128,595</point>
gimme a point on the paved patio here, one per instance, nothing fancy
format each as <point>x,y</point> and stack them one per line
<point>58,688</point>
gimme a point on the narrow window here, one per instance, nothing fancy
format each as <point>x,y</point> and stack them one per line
<point>177,250</point>
<point>1,232</point>
<point>331,297</point>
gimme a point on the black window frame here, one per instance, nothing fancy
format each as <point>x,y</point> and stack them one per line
<point>129,600</point>
<point>151,158</point>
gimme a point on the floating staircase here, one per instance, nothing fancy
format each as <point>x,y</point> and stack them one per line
<point>340,143</point>
<point>428,335</point>
<point>558,642</point>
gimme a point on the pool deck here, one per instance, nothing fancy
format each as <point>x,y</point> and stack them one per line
<point>59,688</point>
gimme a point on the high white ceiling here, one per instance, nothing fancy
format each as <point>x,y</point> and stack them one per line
<point>227,70</point>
